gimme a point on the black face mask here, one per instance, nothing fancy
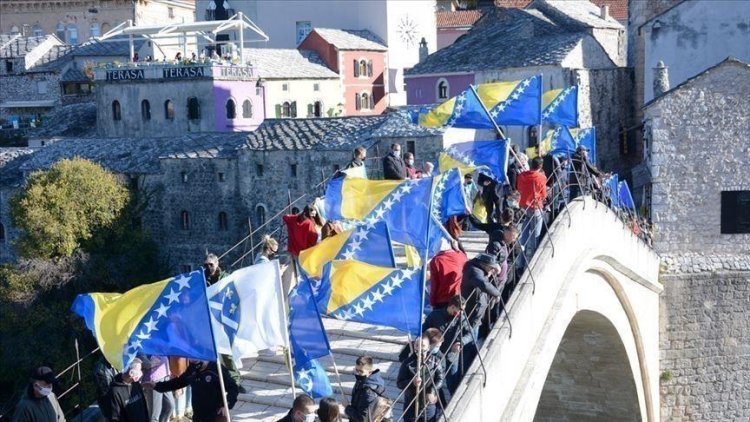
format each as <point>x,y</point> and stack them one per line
<point>272,256</point>
<point>360,377</point>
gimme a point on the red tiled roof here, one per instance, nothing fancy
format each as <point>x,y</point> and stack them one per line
<point>457,19</point>
<point>618,9</point>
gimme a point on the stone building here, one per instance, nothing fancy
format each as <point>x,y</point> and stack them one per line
<point>207,189</point>
<point>75,21</point>
<point>359,57</point>
<point>568,42</point>
<point>697,154</point>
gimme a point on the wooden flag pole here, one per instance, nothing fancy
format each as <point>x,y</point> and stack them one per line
<point>338,378</point>
<point>223,390</point>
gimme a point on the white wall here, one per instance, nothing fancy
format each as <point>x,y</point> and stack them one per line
<point>694,36</point>
<point>301,90</point>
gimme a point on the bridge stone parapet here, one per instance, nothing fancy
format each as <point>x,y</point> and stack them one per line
<point>584,338</point>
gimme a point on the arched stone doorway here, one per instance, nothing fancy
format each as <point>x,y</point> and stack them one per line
<point>590,378</point>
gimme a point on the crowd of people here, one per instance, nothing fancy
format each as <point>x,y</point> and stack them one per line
<point>465,296</point>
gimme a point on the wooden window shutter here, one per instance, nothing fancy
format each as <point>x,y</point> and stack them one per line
<point>294,109</point>
<point>356,101</point>
<point>369,68</point>
<point>372,102</point>
<point>309,109</point>
<point>356,68</point>
<point>278,111</point>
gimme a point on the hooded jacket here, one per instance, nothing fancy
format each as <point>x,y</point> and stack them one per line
<point>475,278</point>
<point>35,409</point>
<point>127,401</point>
<point>364,393</point>
<point>207,399</point>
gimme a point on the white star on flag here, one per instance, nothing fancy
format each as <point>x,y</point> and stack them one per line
<point>173,296</point>
<point>183,282</point>
<point>161,311</point>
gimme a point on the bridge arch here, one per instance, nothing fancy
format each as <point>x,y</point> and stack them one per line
<point>592,274</point>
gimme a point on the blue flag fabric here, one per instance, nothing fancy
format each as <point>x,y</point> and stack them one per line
<point>524,105</point>
<point>563,143</point>
<point>563,110</point>
<point>613,190</point>
<point>490,156</point>
<point>313,380</point>
<point>626,200</point>
<point>468,112</point>
<point>355,291</point>
<point>586,137</point>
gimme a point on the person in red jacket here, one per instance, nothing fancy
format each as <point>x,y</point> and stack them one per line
<point>446,272</point>
<point>532,185</point>
<point>303,229</point>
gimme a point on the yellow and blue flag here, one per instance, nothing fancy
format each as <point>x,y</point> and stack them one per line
<point>308,341</point>
<point>366,242</point>
<point>586,137</point>
<point>558,141</point>
<point>508,103</point>
<point>488,156</point>
<point>166,318</point>
<point>612,187</point>
<point>560,107</point>
<point>356,291</point>
<point>625,198</point>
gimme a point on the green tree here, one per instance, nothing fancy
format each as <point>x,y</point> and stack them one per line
<point>64,206</point>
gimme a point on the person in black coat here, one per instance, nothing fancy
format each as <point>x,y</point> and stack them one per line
<point>394,167</point>
<point>368,387</point>
<point>477,280</point>
<point>457,336</point>
<point>127,401</point>
<point>583,172</point>
<point>413,378</point>
<point>203,378</point>
<point>489,196</point>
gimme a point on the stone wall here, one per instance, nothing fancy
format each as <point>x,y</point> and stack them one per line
<point>27,87</point>
<point>704,346</point>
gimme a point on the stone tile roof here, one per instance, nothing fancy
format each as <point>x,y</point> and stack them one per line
<point>618,9</point>
<point>12,47</point>
<point>582,12</point>
<point>304,134</point>
<point>118,48</point>
<point>9,154</point>
<point>54,60</point>
<point>350,39</point>
<point>69,120</point>
<point>288,63</point>
<point>504,38</point>
<point>457,19</point>
<point>74,75</point>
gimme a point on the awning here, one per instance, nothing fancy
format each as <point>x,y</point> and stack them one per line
<point>28,104</point>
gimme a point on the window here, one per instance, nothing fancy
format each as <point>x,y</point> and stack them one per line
<point>168,110</point>
<point>442,89</point>
<point>116,116</point>
<point>411,147</point>
<point>362,68</point>
<point>170,11</point>
<point>185,268</point>
<point>285,87</point>
<point>14,30</point>
<point>145,110</point>
<point>355,68</point>
<point>222,221</point>
<point>357,103</point>
<point>735,212</point>
<point>8,66</point>
<point>259,170</point>
<point>293,169</point>
<point>231,109</point>
<point>184,177</point>
<point>336,168</point>
<point>105,28</point>
<point>247,109</point>
<point>364,101</point>
<point>41,87</point>
<point>316,87</point>
<point>94,30</point>
<point>286,110</point>
<point>2,232</point>
<point>194,108</point>
<point>303,29</point>
<point>184,220</point>
<point>72,34</point>
<point>533,138</point>
<point>37,31</point>
<point>369,68</point>
<point>318,109</point>
<point>222,178</point>
<point>60,31</point>
<point>260,214</point>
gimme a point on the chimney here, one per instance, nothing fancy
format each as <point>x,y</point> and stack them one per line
<point>605,12</point>
<point>423,52</point>
<point>661,79</point>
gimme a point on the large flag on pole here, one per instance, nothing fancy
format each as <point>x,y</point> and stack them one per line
<point>508,103</point>
<point>355,291</point>
<point>612,186</point>
<point>166,318</point>
<point>364,242</point>
<point>586,137</point>
<point>309,341</point>
<point>625,198</point>
<point>560,107</point>
<point>488,156</point>
<point>247,311</point>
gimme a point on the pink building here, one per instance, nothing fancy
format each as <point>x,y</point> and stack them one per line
<point>359,57</point>
<point>453,24</point>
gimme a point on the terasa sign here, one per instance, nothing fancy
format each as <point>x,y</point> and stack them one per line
<point>237,72</point>
<point>124,75</point>
<point>182,73</point>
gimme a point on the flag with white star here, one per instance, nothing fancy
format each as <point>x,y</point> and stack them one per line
<point>462,111</point>
<point>558,142</point>
<point>247,311</point>
<point>625,198</point>
<point>356,291</point>
<point>490,157</point>
<point>166,318</point>
<point>586,137</point>
<point>560,107</point>
<point>612,189</point>
<point>367,242</point>
<point>312,379</point>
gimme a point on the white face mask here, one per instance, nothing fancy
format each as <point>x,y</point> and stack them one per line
<point>310,417</point>
<point>397,153</point>
<point>410,161</point>
<point>44,391</point>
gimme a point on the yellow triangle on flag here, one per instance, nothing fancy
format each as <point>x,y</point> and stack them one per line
<point>350,279</point>
<point>360,196</point>
<point>438,116</point>
<point>496,92</point>
<point>550,96</point>
<point>313,259</point>
<point>446,162</point>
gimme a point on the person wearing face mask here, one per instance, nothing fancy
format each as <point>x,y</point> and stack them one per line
<point>38,403</point>
<point>411,171</point>
<point>303,410</point>
<point>423,369</point>
<point>203,378</point>
<point>477,287</point>
<point>394,167</point>
<point>127,400</point>
<point>368,387</point>
<point>269,251</point>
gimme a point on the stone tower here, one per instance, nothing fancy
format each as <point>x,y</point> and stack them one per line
<point>423,51</point>
<point>661,79</point>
